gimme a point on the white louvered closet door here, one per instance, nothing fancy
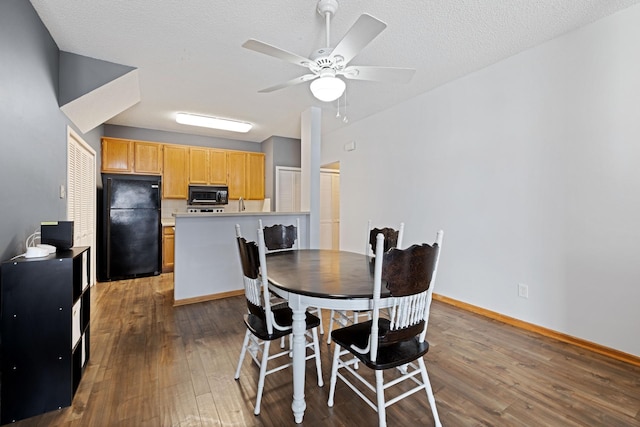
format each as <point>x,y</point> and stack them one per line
<point>81,193</point>
<point>287,189</point>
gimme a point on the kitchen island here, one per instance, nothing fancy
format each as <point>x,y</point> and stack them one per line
<point>206,253</point>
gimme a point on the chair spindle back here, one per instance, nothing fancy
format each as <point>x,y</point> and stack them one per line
<point>409,276</point>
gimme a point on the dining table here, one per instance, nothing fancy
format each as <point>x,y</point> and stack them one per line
<point>321,278</point>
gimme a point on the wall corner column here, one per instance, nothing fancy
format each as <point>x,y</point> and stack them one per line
<point>310,150</point>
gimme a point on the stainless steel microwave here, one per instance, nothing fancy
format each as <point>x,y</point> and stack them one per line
<point>208,195</point>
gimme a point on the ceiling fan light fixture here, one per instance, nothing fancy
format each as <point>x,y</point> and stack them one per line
<point>213,122</point>
<point>327,88</point>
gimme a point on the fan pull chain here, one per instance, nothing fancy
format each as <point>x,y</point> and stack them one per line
<point>344,119</point>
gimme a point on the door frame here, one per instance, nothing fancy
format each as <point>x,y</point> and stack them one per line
<point>74,138</point>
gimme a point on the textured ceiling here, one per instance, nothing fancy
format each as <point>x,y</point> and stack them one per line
<point>190,57</point>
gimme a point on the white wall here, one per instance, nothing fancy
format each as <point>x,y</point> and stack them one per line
<point>532,168</point>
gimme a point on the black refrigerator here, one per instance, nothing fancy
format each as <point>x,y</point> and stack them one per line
<point>129,227</point>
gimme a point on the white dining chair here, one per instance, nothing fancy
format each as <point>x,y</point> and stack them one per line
<point>282,238</point>
<point>264,322</point>
<point>397,343</point>
<point>392,239</point>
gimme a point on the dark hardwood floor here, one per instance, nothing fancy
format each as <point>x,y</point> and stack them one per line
<point>153,364</point>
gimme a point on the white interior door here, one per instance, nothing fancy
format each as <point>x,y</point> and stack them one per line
<point>288,181</point>
<point>329,209</point>
<point>81,194</point>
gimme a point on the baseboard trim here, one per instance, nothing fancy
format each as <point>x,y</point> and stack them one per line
<point>588,345</point>
<point>210,297</point>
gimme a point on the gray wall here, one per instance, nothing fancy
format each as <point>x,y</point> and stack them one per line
<point>80,75</point>
<point>530,166</point>
<point>33,132</point>
<point>141,134</point>
<point>279,151</point>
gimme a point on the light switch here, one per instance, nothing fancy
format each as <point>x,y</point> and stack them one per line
<point>350,146</point>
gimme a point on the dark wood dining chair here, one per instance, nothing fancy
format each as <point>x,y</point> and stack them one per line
<point>264,322</point>
<point>280,237</point>
<point>392,239</point>
<point>397,343</point>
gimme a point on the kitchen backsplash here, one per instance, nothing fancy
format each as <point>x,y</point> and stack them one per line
<point>250,205</point>
<point>170,206</point>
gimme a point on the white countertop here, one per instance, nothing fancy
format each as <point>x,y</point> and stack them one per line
<point>226,214</point>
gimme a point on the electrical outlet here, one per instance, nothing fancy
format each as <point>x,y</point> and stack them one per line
<point>523,290</point>
<point>63,192</point>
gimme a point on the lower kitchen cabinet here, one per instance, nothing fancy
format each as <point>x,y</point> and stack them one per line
<point>45,332</point>
<point>168,248</point>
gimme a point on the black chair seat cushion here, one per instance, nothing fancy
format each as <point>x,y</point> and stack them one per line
<point>283,316</point>
<point>389,356</point>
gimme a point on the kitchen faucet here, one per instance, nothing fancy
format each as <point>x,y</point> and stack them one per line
<point>241,204</point>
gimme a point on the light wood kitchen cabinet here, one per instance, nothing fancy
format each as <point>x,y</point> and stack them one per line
<point>135,157</point>
<point>217,167</point>
<point>207,166</point>
<point>237,164</point>
<point>198,165</point>
<point>117,155</point>
<point>246,175</point>
<point>175,175</point>
<point>168,248</point>
<point>181,165</point>
<point>255,176</point>
<point>147,158</point>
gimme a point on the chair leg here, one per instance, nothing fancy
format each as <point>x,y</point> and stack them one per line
<point>245,344</point>
<point>430,396</point>
<point>263,372</point>
<point>382,413</point>
<point>334,374</point>
<point>316,350</point>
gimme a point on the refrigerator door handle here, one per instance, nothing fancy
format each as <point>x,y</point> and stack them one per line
<point>108,215</point>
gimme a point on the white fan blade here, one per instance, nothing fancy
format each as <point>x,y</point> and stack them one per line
<point>297,80</point>
<point>382,74</point>
<point>276,52</point>
<point>359,35</point>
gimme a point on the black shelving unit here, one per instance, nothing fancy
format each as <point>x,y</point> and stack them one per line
<point>46,310</point>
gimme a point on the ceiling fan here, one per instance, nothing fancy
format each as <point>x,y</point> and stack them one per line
<point>327,64</point>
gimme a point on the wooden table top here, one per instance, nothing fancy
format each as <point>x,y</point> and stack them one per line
<point>323,273</point>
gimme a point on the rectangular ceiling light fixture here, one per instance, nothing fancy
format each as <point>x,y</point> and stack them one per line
<point>213,122</point>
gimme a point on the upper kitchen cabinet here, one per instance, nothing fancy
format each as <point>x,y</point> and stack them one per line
<point>217,167</point>
<point>237,163</point>
<point>124,156</point>
<point>147,158</point>
<point>117,155</point>
<point>255,176</point>
<point>181,165</point>
<point>246,175</point>
<point>207,166</point>
<point>198,165</point>
<point>175,176</point>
